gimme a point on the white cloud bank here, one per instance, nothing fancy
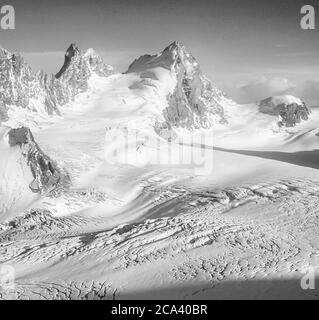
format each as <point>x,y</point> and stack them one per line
<point>262,88</point>
<point>309,92</point>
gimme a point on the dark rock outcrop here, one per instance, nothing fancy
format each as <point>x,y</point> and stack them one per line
<point>165,130</point>
<point>291,110</point>
<point>78,67</point>
<point>70,53</point>
<point>47,176</point>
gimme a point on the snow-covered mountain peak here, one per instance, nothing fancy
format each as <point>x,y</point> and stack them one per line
<point>96,63</point>
<point>180,55</point>
<point>90,53</point>
<point>283,99</point>
<point>290,109</point>
<point>81,65</point>
<point>173,55</point>
<point>174,45</point>
<point>20,87</point>
<point>193,102</point>
<point>22,91</point>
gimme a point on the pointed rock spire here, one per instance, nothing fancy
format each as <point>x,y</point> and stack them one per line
<point>70,53</point>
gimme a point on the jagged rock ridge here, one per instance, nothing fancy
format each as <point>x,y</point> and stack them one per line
<point>291,110</point>
<point>47,176</point>
<point>77,69</point>
<point>42,92</point>
<point>20,87</point>
<point>70,53</point>
<point>195,102</point>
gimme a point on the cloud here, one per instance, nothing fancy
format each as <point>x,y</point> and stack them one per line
<point>308,91</point>
<point>260,89</point>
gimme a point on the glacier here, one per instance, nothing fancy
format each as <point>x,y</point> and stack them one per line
<point>95,202</point>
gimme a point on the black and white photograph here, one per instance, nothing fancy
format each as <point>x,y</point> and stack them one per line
<point>159,150</point>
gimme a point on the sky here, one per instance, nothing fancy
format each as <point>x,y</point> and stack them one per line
<point>244,46</point>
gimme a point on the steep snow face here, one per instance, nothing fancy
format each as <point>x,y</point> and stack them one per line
<point>290,109</point>
<point>192,101</point>
<point>25,171</point>
<point>23,91</point>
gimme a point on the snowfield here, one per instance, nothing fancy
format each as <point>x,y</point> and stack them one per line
<point>139,222</point>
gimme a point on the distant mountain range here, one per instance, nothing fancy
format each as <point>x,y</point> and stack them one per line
<point>193,103</point>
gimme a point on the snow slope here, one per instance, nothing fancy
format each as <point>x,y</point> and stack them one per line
<point>234,217</point>
<point>15,178</point>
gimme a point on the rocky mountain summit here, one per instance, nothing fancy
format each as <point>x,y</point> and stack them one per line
<point>76,61</point>
<point>41,92</point>
<point>21,88</point>
<point>77,69</point>
<point>290,109</point>
<point>195,102</point>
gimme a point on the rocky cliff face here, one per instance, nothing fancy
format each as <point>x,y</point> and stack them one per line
<point>291,110</point>
<point>20,87</point>
<point>41,92</point>
<point>194,102</point>
<point>47,176</point>
<point>77,69</point>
